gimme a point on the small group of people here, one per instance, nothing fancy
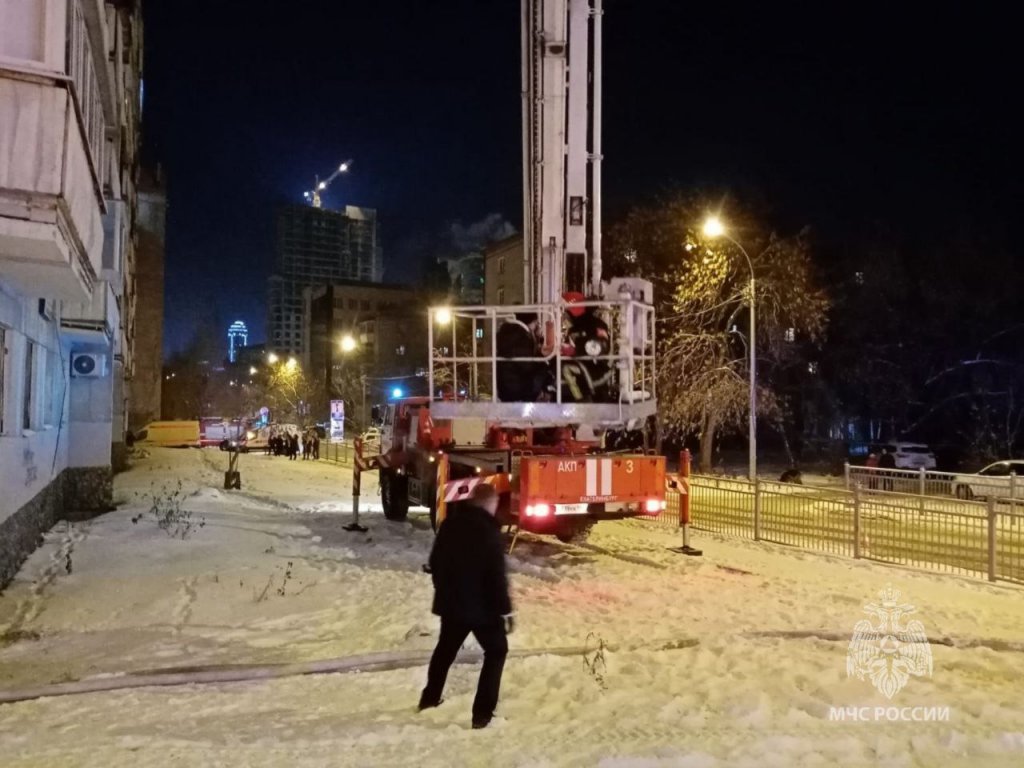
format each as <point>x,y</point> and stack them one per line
<point>882,461</point>
<point>291,444</point>
<point>283,444</point>
<point>311,445</point>
<point>587,375</point>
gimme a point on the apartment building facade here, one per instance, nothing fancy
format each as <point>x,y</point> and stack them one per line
<point>70,108</point>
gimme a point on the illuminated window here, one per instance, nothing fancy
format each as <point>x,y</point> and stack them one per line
<point>858,278</point>
<point>791,334</point>
<point>400,350</point>
<point>812,367</point>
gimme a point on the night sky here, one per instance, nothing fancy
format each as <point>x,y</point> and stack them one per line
<point>840,121</point>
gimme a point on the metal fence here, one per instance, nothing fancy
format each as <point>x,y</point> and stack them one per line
<point>941,534</point>
<point>340,453</point>
<point>929,482</point>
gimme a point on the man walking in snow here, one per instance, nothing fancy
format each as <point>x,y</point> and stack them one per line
<point>467,565</point>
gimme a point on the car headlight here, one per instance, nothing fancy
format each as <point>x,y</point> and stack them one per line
<point>593,347</point>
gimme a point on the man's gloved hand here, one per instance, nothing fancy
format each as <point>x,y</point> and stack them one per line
<point>510,623</point>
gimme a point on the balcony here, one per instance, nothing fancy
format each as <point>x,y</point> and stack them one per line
<point>93,321</point>
<point>53,88</point>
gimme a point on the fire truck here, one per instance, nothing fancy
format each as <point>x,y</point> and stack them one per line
<point>523,397</point>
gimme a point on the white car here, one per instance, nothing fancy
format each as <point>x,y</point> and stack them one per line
<point>993,481</point>
<point>911,455</point>
<point>371,441</point>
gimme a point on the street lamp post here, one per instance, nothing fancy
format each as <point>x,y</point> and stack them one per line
<point>713,227</point>
<point>349,345</point>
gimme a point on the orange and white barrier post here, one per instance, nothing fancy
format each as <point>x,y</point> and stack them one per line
<point>441,510</point>
<point>684,505</point>
<point>356,474</point>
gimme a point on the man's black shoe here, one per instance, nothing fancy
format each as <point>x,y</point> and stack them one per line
<point>481,722</point>
<point>429,704</point>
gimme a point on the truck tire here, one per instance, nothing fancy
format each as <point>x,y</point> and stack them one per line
<point>576,531</point>
<point>394,495</point>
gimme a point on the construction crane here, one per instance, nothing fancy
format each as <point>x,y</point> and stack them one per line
<point>313,195</point>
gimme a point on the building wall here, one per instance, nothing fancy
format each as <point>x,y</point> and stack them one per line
<point>32,454</point>
<point>69,84</point>
<point>503,272</point>
<point>330,312</point>
<point>381,318</point>
<point>145,387</point>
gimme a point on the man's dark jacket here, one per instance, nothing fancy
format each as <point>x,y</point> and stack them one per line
<point>467,565</point>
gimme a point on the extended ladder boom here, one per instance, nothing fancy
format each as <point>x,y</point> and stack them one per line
<point>561,147</point>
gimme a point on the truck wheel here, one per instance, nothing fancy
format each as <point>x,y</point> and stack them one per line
<point>394,495</point>
<point>575,532</point>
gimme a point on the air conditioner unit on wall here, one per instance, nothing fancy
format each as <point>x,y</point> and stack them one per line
<point>88,365</point>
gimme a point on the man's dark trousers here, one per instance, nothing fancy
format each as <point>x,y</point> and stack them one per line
<point>492,639</point>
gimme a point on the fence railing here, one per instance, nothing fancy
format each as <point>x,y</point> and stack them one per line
<point>949,535</point>
<point>340,453</point>
<point>929,482</point>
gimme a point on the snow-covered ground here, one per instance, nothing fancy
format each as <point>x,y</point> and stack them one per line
<point>734,658</point>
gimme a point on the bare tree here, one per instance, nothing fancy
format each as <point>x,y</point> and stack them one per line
<point>702,290</point>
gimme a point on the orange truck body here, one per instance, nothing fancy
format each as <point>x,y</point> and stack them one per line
<point>592,479</point>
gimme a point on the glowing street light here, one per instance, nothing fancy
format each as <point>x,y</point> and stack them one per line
<point>442,315</point>
<point>713,227</point>
<point>272,358</point>
<point>348,344</point>
<point>292,364</point>
<point>252,370</point>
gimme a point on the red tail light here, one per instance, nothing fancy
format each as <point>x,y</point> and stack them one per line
<point>538,510</point>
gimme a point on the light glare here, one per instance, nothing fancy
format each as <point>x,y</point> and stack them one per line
<point>713,227</point>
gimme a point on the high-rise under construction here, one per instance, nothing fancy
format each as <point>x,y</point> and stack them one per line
<point>316,246</point>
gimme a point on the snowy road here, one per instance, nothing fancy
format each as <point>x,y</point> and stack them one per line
<point>732,659</point>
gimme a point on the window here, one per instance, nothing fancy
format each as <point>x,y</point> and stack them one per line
<point>3,378</point>
<point>858,278</point>
<point>26,400</point>
<point>501,295</point>
<point>51,414</point>
<point>791,334</point>
<point>400,350</point>
<point>812,367</point>
<point>997,470</point>
<point>501,265</point>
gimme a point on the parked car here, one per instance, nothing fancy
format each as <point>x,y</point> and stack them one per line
<point>911,455</point>
<point>993,481</point>
<point>371,441</point>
